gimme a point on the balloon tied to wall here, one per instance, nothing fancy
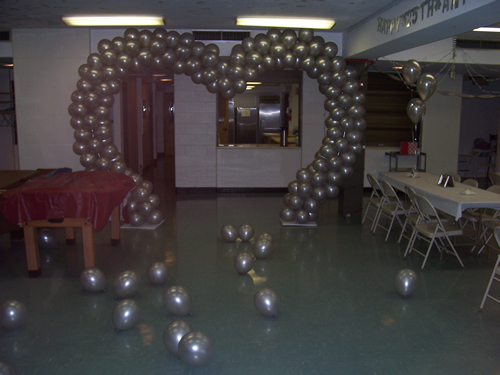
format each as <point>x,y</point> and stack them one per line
<point>425,84</point>
<point>100,79</point>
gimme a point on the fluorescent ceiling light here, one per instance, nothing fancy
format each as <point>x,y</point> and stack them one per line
<point>254,83</point>
<point>488,29</point>
<point>292,22</point>
<point>250,87</point>
<point>114,20</point>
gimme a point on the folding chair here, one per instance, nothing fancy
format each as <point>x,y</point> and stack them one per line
<point>432,229</point>
<point>391,208</point>
<point>471,182</point>
<point>472,215</point>
<point>375,200</point>
<point>411,215</point>
<point>495,275</point>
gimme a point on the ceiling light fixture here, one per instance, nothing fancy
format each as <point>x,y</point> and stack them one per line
<point>292,22</point>
<point>488,29</point>
<point>114,20</point>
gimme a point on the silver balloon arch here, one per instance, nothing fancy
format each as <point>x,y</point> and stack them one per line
<point>161,49</point>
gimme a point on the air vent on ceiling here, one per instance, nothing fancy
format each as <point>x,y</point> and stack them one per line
<point>478,44</point>
<point>4,36</point>
<point>220,35</point>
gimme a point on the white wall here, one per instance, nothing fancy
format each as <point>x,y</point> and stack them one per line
<point>46,65</point>
<point>441,127</point>
<point>313,119</point>
<point>195,134</point>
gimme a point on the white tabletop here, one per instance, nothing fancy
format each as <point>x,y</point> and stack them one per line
<point>451,200</point>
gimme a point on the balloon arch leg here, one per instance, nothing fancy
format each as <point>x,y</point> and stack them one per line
<point>100,79</point>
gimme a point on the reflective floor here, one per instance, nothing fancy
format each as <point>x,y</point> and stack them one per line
<point>339,311</point>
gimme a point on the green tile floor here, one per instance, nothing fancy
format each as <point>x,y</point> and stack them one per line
<point>339,312</point>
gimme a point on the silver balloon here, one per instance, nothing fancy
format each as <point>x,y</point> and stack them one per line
<point>426,86</point>
<point>303,175</point>
<point>406,282</point>
<point>266,236</point>
<point>266,302</point>
<point>311,204</point>
<point>126,314</point>
<point>229,233</point>
<point>6,369</point>
<point>295,201</point>
<point>140,194</point>
<point>262,248</point>
<point>137,179</point>
<point>92,280</point>
<point>318,178</point>
<point>177,301</point>
<point>287,214</point>
<point>46,238</point>
<point>13,314</point>
<point>411,71</point>
<point>302,216</point>
<point>173,333</point>
<point>293,187</point>
<point>154,199</point>
<point>415,110</point>
<point>126,284</point>
<point>158,273</point>
<point>196,349</point>
<point>243,262</point>
<point>305,189</point>
<point>245,232</point>
<point>155,217</point>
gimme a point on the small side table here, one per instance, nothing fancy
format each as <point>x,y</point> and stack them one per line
<point>421,160</point>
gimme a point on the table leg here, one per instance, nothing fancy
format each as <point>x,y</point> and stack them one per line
<point>32,254</point>
<point>70,235</point>
<point>115,226</point>
<point>88,245</point>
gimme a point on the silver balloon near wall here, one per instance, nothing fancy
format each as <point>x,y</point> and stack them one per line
<point>101,78</point>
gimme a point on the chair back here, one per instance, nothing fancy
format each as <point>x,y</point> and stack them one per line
<point>411,195</point>
<point>426,209</point>
<point>494,189</point>
<point>387,189</point>
<point>495,178</point>
<point>497,236</point>
<point>374,184</point>
<point>456,177</point>
<point>471,182</point>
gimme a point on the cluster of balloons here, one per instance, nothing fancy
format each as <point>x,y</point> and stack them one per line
<point>101,78</point>
<point>333,161</point>
<point>425,84</point>
<point>406,282</point>
<point>13,314</point>
<point>126,313</point>
<point>90,110</point>
<point>265,300</point>
<point>193,347</point>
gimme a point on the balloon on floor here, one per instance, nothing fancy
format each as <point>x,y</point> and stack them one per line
<point>126,284</point>
<point>13,314</point>
<point>246,232</point>
<point>101,78</point>
<point>173,333</point>
<point>178,301</point>
<point>243,263</point>
<point>46,238</point>
<point>126,314</point>
<point>92,280</point>
<point>266,302</point>
<point>406,282</point>
<point>158,273</point>
<point>196,349</point>
<point>229,233</point>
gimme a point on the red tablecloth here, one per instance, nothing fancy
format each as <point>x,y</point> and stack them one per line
<point>91,195</point>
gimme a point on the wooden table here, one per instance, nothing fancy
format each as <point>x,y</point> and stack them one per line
<point>71,200</point>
